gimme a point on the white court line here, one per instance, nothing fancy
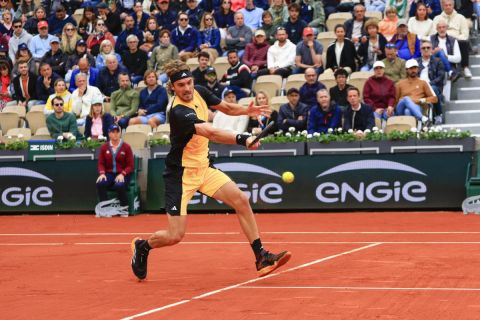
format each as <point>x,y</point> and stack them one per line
<point>207,294</point>
<point>34,244</point>
<point>365,288</point>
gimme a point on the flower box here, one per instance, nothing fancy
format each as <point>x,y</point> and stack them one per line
<point>13,155</point>
<point>159,151</point>
<point>375,147</point>
<point>333,147</point>
<point>403,146</point>
<point>280,149</point>
<point>446,145</point>
<point>74,154</point>
<point>228,150</point>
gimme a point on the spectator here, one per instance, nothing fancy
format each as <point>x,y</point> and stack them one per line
<point>388,26</point>
<point>31,24</point>
<point>151,36</point>
<point>4,55</point>
<point>252,15</point>
<point>308,91</point>
<point>212,84</point>
<point>394,66</point>
<point>194,12</point>
<point>161,55</point>
<point>237,124</point>
<point>407,43</point>
<point>108,77</point>
<point>185,37</point>
<point>400,6</point>
<point>115,166</point>
<point>58,21</point>
<point>256,125</point>
<point>85,68</point>
<point>433,8</point>
<point>432,71</point>
<point>106,49</point>
<point>199,73</point>
<point>268,27</point>
<point>25,10</point>
<point>457,28</point>
<point>324,115</point>
<point>86,26</point>
<point>358,116</point>
<point>72,61</point>
<point>111,18</point>
<point>341,53</point>
<point>130,29</point>
<point>372,46</point>
<point>375,5</point>
<point>308,53</point>
<point>279,12</point>
<point>153,103</point>
<point>55,57</point>
<point>124,102</point>
<point>238,4</point>
<point>210,37</point>
<point>6,27</point>
<point>61,123</point>
<point>69,39</point>
<point>5,85</point>
<point>447,49</point>
<point>355,27</point>
<point>422,25</point>
<point>19,36</point>
<point>238,35</point>
<point>96,38</point>
<point>280,56</point>
<point>82,98</point>
<point>24,55</point>
<point>314,15</point>
<point>238,75</point>
<point>45,82</point>
<point>62,92</point>
<point>379,92</point>
<point>40,44</point>
<point>97,121</point>
<point>166,16</point>
<point>6,6</point>
<point>255,56</point>
<point>134,60</point>
<point>295,25</point>
<point>224,15</point>
<point>294,113</point>
<point>139,17</point>
<point>24,87</point>
<point>210,5</point>
<point>330,6</point>
<point>413,94</point>
<point>338,93</point>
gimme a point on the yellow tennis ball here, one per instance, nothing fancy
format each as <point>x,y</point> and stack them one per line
<point>288,177</point>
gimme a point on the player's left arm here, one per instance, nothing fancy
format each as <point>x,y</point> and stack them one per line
<point>217,135</point>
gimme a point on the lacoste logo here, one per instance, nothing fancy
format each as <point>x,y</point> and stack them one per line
<point>110,208</point>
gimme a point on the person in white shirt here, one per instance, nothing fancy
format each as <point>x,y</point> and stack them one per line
<point>447,49</point>
<point>82,98</point>
<point>237,124</point>
<point>280,56</point>
<point>421,23</point>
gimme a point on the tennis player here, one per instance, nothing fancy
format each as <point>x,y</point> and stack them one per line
<point>188,170</point>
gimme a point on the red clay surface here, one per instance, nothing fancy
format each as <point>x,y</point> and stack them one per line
<point>344,266</point>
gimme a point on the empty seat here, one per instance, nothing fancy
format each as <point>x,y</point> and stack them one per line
<point>276,102</point>
<point>328,79</point>
<point>271,84</point>
<point>137,140</point>
<point>78,14</point>
<point>145,128</point>
<point>358,79</point>
<point>23,133</point>
<point>38,107</point>
<point>35,120</point>
<point>221,66</point>
<point>192,63</point>
<point>8,120</point>
<point>374,14</point>
<point>337,18</point>
<point>326,38</point>
<point>400,123</point>
<point>295,81</point>
<point>18,109</point>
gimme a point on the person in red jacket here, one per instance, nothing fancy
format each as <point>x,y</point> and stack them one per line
<point>379,92</point>
<point>115,165</point>
<point>255,56</point>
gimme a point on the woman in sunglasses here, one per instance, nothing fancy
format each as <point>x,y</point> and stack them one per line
<point>210,37</point>
<point>88,22</point>
<point>100,34</point>
<point>69,39</point>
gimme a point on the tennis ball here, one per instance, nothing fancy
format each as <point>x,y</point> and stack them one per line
<point>288,177</point>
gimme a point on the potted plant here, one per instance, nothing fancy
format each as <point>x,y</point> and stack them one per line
<point>159,147</point>
<point>333,142</point>
<point>93,144</point>
<point>14,149</point>
<point>402,141</point>
<point>375,141</point>
<point>69,149</point>
<point>291,143</point>
<point>438,139</point>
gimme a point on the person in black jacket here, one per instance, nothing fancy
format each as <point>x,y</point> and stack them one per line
<point>45,82</point>
<point>97,121</point>
<point>348,55</point>
<point>358,17</point>
<point>358,116</point>
<point>24,86</point>
<point>55,57</point>
<point>294,113</point>
<point>372,46</point>
<point>134,60</point>
<point>238,74</point>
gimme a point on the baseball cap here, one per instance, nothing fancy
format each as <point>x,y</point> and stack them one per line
<point>390,46</point>
<point>54,39</point>
<point>113,127</point>
<point>211,70</point>
<point>401,22</point>
<point>97,100</point>
<point>378,64</point>
<point>102,5</point>
<point>308,31</point>
<point>22,46</point>
<point>228,91</point>
<point>81,42</point>
<point>42,24</point>
<point>260,32</point>
<point>411,63</point>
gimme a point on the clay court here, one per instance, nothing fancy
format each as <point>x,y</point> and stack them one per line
<point>344,266</point>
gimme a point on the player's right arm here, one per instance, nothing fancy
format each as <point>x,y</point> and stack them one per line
<point>217,135</point>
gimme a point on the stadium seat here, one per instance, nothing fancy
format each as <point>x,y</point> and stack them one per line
<point>77,15</point>
<point>374,14</point>
<point>163,128</point>
<point>8,120</point>
<point>145,128</point>
<point>20,110</point>
<point>326,38</point>
<point>221,66</point>
<point>106,107</point>
<point>337,18</point>
<point>271,84</point>
<point>192,63</point>
<point>295,81</point>
<point>35,120</point>
<point>358,79</point>
<point>25,132</point>
<point>38,107</point>
<point>328,79</point>
<point>400,123</point>
<point>246,101</point>
<point>276,102</point>
<point>42,134</point>
<point>137,140</point>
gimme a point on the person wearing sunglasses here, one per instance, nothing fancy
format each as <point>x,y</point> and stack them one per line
<point>87,24</point>
<point>185,37</point>
<point>210,37</point>
<point>96,38</point>
<point>407,42</point>
<point>57,21</point>
<point>69,39</point>
<point>61,123</point>
<point>19,36</point>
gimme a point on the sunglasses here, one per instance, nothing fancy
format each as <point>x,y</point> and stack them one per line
<point>426,48</point>
<point>183,19</point>
<point>58,104</point>
<point>69,29</point>
<point>208,19</point>
<point>17,27</point>
<point>100,24</point>
<point>3,0</point>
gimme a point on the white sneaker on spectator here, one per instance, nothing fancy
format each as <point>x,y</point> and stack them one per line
<point>424,119</point>
<point>467,73</point>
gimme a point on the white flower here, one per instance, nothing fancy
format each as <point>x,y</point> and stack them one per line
<point>458,131</point>
<point>72,137</point>
<point>367,131</point>
<point>89,139</point>
<point>339,129</point>
<point>425,129</point>
<point>375,129</point>
<point>20,136</point>
<point>380,131</point>
<point>316,134</point>
<point>304,133</point>
<point>101,137</point>
<point>288,134</point>
<point>330,130</point>
<point>350,130</point>
<point>291,129</point>
<point>150,134</point>
<point>9,137</point>
<point>166,137</point>
<point>414,130</point>
<point>60,138</point>
<point>309,136</point>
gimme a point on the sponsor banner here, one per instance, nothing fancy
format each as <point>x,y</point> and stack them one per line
<point>400,181</point>
<point>48,186</point>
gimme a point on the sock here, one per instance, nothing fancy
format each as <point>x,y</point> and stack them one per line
<point>257,248</point>
<point>145,245</point>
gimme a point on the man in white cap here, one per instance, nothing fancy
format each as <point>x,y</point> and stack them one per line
<point>413,94</point>
<point>379,92</point>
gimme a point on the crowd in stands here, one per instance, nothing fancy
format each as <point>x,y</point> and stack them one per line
<point>115,52</point>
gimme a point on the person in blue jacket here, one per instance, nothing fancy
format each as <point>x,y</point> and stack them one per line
<point>185,37</point>
<point>324,115</point>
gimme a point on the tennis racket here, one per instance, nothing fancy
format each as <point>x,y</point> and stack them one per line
<point>263,133</point>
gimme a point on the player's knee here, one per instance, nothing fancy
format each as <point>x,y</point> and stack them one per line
<point>240,200</point>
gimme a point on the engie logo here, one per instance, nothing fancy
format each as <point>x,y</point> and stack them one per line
<point>397,189</point>
<point>26,195</point>
<point>269,192</point>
